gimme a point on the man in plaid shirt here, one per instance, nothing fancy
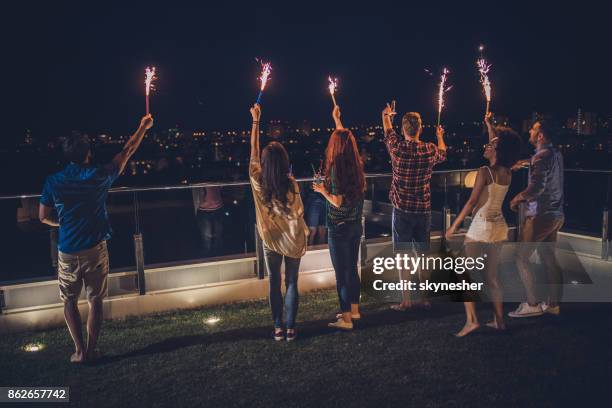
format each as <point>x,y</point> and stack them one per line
<point>412,162</point>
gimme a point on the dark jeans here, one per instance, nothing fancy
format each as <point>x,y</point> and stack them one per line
<point>211,231</point>
<point>292,265</point>
<point>343,243</point>
<point>411,229</point>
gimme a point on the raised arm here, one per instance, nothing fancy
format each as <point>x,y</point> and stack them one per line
<point>121,159</point>
<point>336,116</point>
<point>256,115</point>
<point>440,137</point>
<point>390,136</point>
<point>479,185</point>
<point>490,127</point>
<point>387,117</point>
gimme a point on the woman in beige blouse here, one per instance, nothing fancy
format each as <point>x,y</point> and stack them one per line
<point>280,223</point>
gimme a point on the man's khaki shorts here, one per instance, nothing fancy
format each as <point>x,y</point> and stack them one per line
<point>542,228</point>
<point>89,266</point>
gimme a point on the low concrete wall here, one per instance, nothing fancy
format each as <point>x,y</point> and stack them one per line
<point>35,306</point>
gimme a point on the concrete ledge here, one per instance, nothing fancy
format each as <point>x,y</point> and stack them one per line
<point>48,316</point>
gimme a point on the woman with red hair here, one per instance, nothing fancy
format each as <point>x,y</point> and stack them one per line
<point>343,188</point>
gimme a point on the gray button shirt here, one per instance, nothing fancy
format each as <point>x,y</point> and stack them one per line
<point>544,194</point>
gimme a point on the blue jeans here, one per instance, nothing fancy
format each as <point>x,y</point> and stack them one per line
<point>411,229</point>
<point>343,243</point>
<point>211,231</point>
<point>292,265</point>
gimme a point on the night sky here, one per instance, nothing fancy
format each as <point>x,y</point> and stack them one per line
<point>81,67</point>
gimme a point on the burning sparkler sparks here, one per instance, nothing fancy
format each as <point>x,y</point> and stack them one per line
<point>149,78</point>
<point>266,68</point>
<point>442,89</point>
<point>483,69</point>
<point>333,85</point>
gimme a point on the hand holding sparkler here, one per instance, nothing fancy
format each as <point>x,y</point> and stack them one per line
<point>440,137</point>
<point>146,122</point>
<point>149,78</point>
<point>336,116</point>
<point>333,85</point>
<point>266,68</point>
<point>492,132</point>
<point>256,113</point>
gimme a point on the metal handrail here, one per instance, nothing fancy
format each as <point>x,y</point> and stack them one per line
<point>215,184</point>
<point>189,186</point>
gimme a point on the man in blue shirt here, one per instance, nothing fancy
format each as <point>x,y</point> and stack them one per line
<point>78,196</point>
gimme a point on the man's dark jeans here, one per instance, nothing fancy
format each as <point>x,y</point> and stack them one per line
<point>411,229</point>
<point>292,265</point>
<point>344,251</point>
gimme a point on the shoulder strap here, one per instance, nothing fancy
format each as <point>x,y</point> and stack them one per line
<point>490,174</point>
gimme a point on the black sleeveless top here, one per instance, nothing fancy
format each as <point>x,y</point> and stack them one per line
<point>337,216</point>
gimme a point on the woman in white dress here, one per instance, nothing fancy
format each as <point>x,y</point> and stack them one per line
<point>488,229</point>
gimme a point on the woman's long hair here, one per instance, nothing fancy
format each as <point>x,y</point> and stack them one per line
<point>343,166</point>
<point>509,146</point>
<point>275,178</point>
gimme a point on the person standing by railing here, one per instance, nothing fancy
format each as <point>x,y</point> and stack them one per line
<point>280,223</point>
<point>344,187</point>
<point>488,229</point>
<point>412,162</point>
<point>544,217</point>
<point>209,215</point>
<point>78,195</point>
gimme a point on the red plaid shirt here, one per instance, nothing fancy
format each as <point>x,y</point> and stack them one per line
<point>412,164</point>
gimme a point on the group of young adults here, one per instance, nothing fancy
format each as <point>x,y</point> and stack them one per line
<point>78,194</point>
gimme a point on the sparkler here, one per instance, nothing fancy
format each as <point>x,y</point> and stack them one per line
<point>333,85</point>
<point>442,89</point>
<point>483,69</point>
<point>266,68</point>
<point>149,78</point>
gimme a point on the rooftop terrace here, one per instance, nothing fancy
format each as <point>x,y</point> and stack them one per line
<point>399,359</point>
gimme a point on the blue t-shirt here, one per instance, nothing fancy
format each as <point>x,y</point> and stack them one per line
<point>79,195</point>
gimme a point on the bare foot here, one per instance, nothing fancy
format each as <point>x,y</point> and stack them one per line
<point>467,329</point>
<point>77,357</point>
<point>494,325</point>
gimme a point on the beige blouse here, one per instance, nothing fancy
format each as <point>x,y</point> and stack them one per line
<point>286,234</point>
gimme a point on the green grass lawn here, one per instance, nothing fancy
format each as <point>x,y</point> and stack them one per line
<point>391,359</point>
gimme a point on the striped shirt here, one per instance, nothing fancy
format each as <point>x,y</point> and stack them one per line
<point>412,164</point>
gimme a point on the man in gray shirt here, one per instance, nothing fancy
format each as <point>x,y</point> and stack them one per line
<point>543,200</point>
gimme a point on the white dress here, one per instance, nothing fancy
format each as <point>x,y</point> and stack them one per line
<point>489,225</point>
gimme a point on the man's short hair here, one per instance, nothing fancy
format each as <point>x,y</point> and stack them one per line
<point>76,147</point>
<point>411,123</point>
<point>548,129</point>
